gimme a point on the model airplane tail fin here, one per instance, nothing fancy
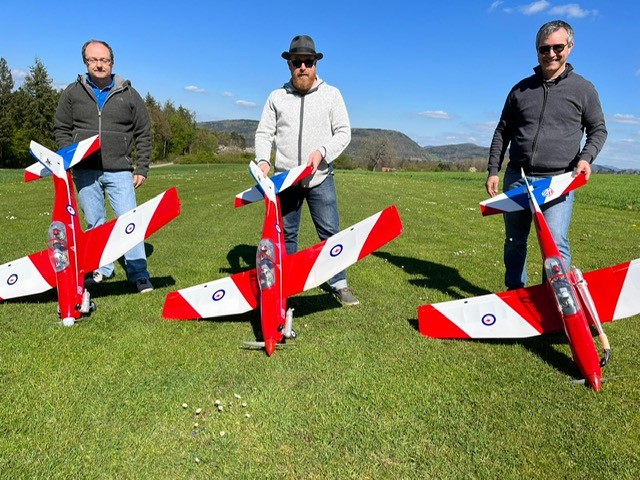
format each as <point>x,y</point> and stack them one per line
<point>57,163</point>
<point>276,184</point>
<point>544,190</point>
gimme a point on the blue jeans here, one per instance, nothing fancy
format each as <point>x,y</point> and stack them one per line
<point>91,186</point>
<point>323,206</point>
<point>518,224</point>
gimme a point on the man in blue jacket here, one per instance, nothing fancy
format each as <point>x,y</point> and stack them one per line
<point>102,103</point>
<point>542,123</point>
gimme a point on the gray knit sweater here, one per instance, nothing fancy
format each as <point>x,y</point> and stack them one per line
<point>299,124</point>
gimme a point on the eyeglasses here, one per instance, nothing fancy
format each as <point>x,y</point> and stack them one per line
<point>308,62</point>
<point>545,49</point>
<point>93,61</point>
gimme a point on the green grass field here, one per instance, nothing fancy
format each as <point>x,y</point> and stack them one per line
<point>359,394</point>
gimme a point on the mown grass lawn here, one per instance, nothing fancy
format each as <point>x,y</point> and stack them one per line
<point>359,394</point>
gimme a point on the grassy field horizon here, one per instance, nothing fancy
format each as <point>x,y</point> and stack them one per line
<point>359,394</point>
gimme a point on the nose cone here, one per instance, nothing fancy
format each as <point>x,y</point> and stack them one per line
<point>270,346</point>
<point>595,382</point>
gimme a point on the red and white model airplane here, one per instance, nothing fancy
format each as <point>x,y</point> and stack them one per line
<point>72,253</point>
<point>277,275</point>
<point>568,300</point>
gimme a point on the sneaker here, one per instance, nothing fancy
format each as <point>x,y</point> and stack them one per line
<point>143,285</point>
<point>96,278</point>
<point>345,296</point>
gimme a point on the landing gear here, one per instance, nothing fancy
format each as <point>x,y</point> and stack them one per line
<point>288,331</point>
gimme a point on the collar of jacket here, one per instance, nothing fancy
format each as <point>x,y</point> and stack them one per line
<point>538,70</point>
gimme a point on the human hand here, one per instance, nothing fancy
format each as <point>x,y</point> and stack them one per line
<point>264,167</point>
<point>583,167</point>
<point>492,185</point>
<point>138,180</point>
<point>314,160</point>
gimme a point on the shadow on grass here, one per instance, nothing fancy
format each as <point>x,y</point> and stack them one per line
<point>240,258</point>
<point>434,275</point>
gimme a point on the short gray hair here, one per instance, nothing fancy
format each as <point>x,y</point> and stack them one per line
<point>553,26</point>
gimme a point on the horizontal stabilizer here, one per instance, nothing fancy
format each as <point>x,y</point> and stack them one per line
<point>58,162</point>
<point>280,181</point>
<point>544,190</point>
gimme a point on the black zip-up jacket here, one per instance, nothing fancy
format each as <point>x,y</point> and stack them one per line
<point>543,122</point>
<point>123,120</point>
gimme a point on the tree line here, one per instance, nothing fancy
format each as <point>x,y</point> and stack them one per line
<point>26,113</point>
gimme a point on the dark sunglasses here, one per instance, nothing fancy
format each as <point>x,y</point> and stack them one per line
<point>308,62</point>
<point>545,49</point>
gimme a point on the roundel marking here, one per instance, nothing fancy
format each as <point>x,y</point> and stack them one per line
<point>218,295</point>
<point>12,279</point>
<point>130,228</point>
<point>335,251</point>
<point>548,192</point>
<point>278,229</point>
<point>488,319</point>
<point>70,210</point>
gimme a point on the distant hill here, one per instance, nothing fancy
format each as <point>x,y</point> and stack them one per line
<point>364,140</point>
<point>397,144</point>
<point>458,152</point>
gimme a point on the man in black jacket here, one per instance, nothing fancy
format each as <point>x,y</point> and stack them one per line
<point>102,103</point>
<point>542,123</point>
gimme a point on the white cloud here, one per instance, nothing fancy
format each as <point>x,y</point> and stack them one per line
<point>194,89</point>
<point>495,5</point>
<point>228,94</point>
<point>535,7</point>
<point>439,114</point>
<point>244,103</point>
<point>572,10</point>
<point>625,119</point>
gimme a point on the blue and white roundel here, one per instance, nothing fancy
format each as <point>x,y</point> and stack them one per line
<point>130,228</point>
<point>488,319</point>
<point>70,210</point>
<point>278,229</point>
<point>12,279</point>
<point>218,295</point>
<point>335,251</point>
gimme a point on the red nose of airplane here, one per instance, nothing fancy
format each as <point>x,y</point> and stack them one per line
<point>270,345</point>
<point>595,382</point>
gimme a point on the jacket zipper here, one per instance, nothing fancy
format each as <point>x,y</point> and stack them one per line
<point>545,89</point>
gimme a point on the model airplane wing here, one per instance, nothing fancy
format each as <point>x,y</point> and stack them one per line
<point>108,242</point>
<point>228,296</point>
<point>544,190</point>
<point>27,276</point>
<point>280,181</point>
<point>528,312</point>
<point>309,268</point>
<point>58,162</point>
<point>315,265</point>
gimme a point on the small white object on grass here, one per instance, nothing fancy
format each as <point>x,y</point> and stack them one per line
<point>184,405</point>
<point>68,322</point>
<point>198,411</point>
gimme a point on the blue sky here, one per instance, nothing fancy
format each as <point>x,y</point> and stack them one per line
<point>436,71</point>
